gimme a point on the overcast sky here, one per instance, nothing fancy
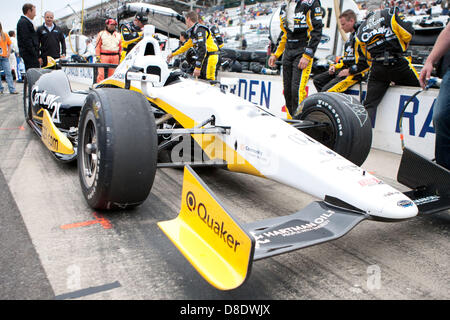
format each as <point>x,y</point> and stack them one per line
<point>11,10</point>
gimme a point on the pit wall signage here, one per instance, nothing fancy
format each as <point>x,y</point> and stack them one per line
<point>267,92</point>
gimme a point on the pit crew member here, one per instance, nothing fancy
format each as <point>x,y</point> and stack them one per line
<point>383,38</point>
<point>346,72</point>
<point>200,37</point>
<point>108,47</point>
<point>132,33</point>
<point>301,26</point>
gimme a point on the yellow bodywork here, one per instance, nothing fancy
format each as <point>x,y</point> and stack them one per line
<point>213,242</point>
<point>54,139</point>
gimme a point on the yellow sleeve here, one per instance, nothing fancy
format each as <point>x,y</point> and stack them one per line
<point>282,43</point>
<point>188,44</point>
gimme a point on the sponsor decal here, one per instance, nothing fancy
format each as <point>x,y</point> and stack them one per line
<point>404,203</point>
<point>48,101</point>
<point>425,200</point>
<point>294,229</point>
<point>217,227</point>
<point>368,182</point>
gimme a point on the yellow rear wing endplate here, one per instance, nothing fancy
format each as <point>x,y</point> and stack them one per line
<point>209,237</point>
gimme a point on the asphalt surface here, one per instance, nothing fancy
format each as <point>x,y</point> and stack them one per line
<point>53,246</point>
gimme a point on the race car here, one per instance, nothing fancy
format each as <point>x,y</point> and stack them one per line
<point>120,130</point>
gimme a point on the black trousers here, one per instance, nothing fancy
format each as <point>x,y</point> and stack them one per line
<point>30,62</point>
<point>294,79</point>
<point>401,72</point>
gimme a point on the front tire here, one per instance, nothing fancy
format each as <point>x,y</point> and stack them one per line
<point>117,149</point>
<point>347,128</point>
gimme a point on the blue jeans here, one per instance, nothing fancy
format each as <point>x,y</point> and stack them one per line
<point>441,122</point>
<point>4,65</point>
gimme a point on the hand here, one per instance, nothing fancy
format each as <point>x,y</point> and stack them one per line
<point>169,57</point>
<point>344,73</point>
<point>272,61</point>
<point>303,63</point>
<point>425,74</point>
<point>40,61</point>
<point>196,72</point>
<point>332,69</point>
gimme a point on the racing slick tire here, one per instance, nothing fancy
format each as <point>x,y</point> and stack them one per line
<point>31,77</point>
<point>117,149</point>
<point>347,129</point>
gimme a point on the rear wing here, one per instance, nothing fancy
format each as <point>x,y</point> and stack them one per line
<point>222,249</point>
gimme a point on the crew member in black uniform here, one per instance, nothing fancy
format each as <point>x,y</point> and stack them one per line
<point>132,33</point>
<point>200,37</point>
<point>216,35</point>
<point>301,25</point>
<point>346,72</point>
<point>383,38</point>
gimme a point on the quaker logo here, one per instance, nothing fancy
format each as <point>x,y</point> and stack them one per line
<point>404,203</point>
<point>48,101</point>
<point>217,227</point>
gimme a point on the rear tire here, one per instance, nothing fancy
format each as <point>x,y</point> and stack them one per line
<point>117,149</point>
<point>348,131</point>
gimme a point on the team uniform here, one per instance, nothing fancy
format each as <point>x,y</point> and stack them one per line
<point>108,48</point>
<point>383,39</point>
<point>301,26</point>
<point>131,35</point>
<point>332,82</point>
<point>200,38</point>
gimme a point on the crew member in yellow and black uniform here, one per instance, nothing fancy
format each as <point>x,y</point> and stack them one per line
<point>383,38</point>
<point>301,24</point>
<point>200,37</point>
<point>132,33</point>
<point>346,72</point>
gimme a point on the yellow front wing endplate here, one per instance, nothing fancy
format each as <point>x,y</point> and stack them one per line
<point>209,237</point>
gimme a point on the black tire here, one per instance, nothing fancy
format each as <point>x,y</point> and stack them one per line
<point>31,77</point>
<point>348,130</point>
<point>117,149</point>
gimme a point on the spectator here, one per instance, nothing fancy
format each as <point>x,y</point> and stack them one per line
<point>5,51</point>
<point>51,40</point>
<point>243,43</point>
<point>27,37</point>
<point>13,58</point>
<point>89,54</point>
<point>441,112</point>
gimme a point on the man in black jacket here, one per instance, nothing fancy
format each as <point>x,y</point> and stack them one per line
<point>51,40</point>
<point>27,37</point>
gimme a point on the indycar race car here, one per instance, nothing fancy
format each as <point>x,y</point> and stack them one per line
<point>121,131</point>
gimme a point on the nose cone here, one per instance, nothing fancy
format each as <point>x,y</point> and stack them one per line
<point>399,208</point>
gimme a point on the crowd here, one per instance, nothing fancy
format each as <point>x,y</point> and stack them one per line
<point>415,8</point>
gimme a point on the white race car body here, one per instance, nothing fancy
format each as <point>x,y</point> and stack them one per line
<point>257,142</point>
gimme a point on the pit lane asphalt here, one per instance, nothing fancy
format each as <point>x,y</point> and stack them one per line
<point>132,259</point>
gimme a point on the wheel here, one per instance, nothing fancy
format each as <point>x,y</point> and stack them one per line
<point>117,148</point>
<point>347,128</point>
<point>32,76</point>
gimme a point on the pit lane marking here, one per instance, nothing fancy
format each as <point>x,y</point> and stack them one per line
<point>99,219</point>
